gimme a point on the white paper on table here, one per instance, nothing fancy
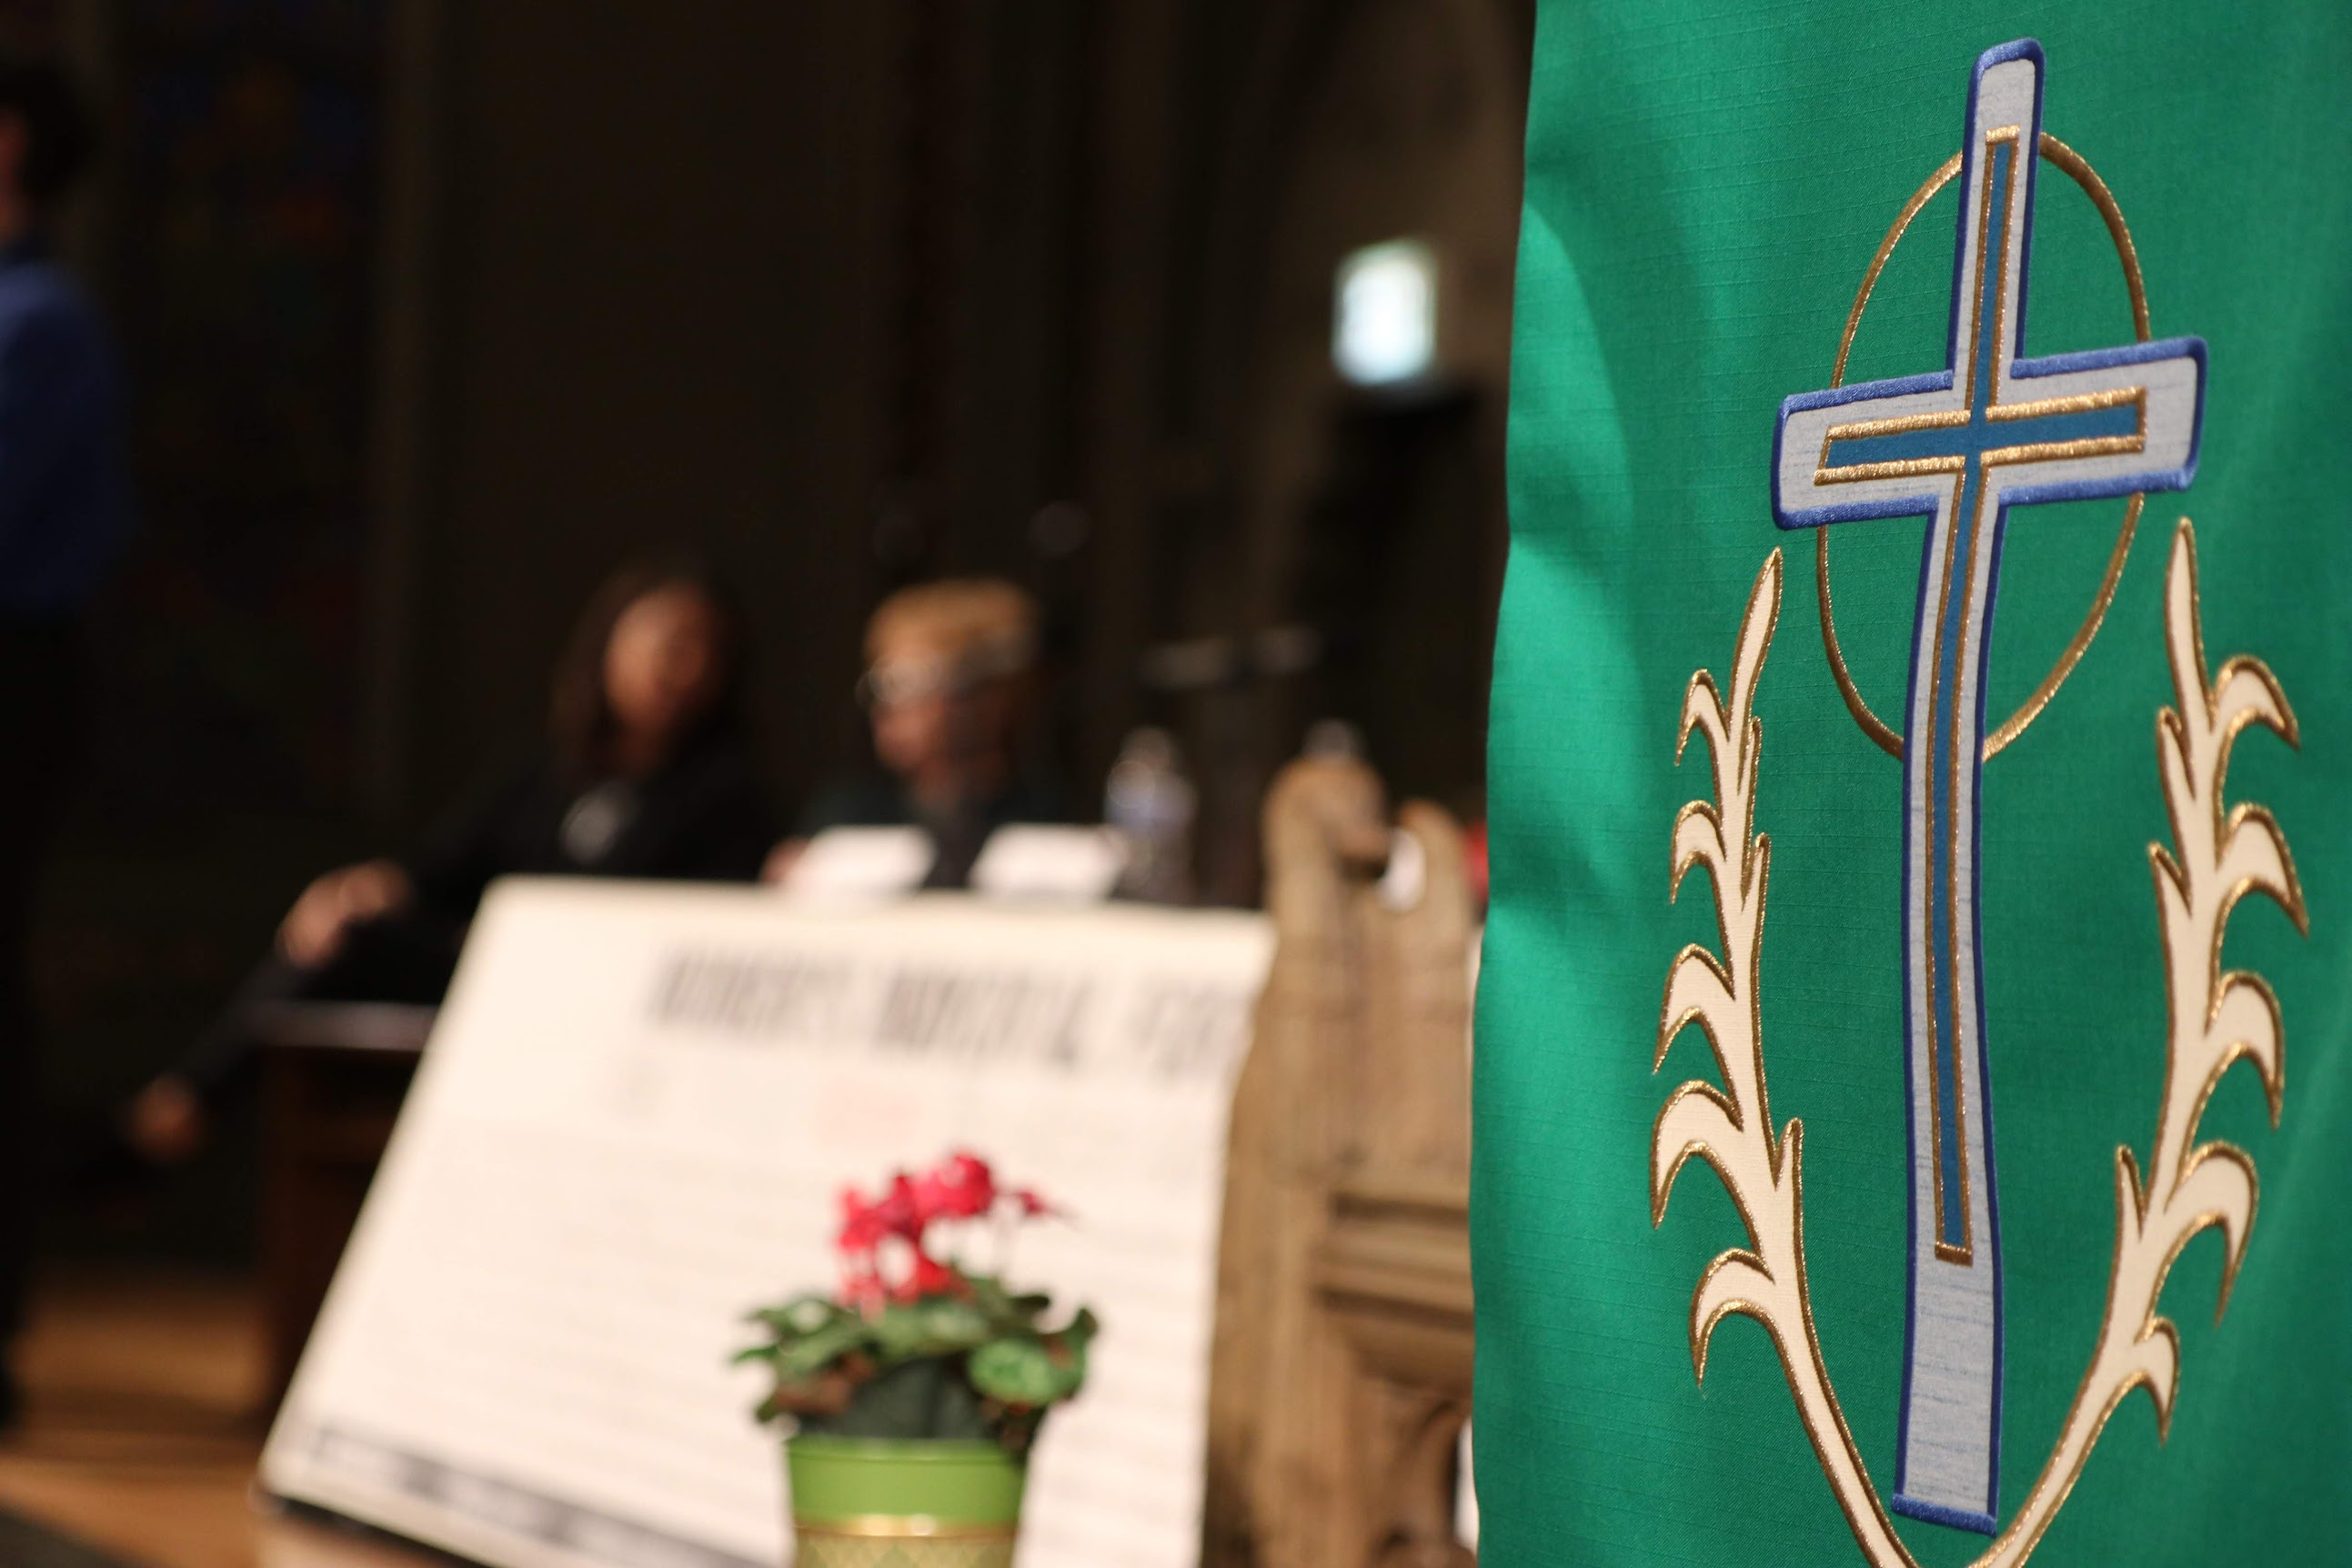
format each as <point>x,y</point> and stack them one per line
<point>631,1125</point>
<point>861,864</point>
<point>1466,1496</point>
<point>1055,865</point>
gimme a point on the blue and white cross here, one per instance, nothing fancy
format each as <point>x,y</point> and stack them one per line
<point>1961,447</point>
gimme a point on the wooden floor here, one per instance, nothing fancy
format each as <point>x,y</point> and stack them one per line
<point>141,1433</point>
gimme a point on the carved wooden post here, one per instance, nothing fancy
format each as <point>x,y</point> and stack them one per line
<point>1342,1373</point>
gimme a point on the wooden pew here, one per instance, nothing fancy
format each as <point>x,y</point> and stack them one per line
<point>1340,1378</point>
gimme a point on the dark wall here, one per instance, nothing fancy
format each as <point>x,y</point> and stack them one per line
<point>668,240</point>
<point>230,231</point>
<point>434,310</point>
<point>858,293</point>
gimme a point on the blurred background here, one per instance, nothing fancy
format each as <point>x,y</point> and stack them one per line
<point>1191,316</point>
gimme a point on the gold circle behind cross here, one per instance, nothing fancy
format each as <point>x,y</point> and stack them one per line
<point>2053,152</point>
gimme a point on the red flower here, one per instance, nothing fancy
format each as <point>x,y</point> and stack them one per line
<point>862,1229</point>
<point>901,1211</point>
<point>961,1187</point>
<point>1032,1207</point>
<point>928,1276</point>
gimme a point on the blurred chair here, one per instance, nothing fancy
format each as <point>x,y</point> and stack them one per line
<point>1340,1378</point>
<point>333,1075</point>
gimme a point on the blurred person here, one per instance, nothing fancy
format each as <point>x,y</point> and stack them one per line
<point>64,513</point>
<point>950,688</point>
<point>646,773</point>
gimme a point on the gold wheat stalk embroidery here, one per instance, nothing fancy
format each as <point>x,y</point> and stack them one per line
<point>2216,1017</point>
<point>1731,1128</point>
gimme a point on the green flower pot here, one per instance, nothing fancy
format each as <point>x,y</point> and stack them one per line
<point>872,1502</point>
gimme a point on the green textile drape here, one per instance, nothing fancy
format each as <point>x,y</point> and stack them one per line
<point>1708,185</point>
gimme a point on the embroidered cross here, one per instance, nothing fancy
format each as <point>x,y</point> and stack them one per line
<point>1961,447</point>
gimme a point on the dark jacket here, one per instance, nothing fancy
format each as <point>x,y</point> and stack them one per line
<point>703,818</point>
<point>65,492</point>
<point>878,800</point>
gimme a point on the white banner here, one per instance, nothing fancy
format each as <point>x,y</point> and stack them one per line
<point>632,1126</point>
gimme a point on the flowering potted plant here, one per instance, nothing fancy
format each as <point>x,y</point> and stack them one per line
<point>916,1390</point>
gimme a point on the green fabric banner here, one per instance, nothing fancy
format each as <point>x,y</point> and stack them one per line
<point>1963,388</point>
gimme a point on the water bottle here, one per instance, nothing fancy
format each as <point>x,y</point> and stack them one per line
<point>1149,803</point>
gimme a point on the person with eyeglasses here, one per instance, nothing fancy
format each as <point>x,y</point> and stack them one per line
<point>950,690</point>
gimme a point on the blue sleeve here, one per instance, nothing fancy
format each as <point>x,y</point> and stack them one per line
<point>41,370</point>
<point>64,496</point>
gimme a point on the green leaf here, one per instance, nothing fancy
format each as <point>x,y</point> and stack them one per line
<point>940,1326</point>
<point>978,1363</point>
<point>991,1296</point>
<point>950,1325</point>
<point>801,1317</point>
<point>1082,1329</point>
<point>805,1357</point>
<point>1029,1370</point>
<point>925,1398</point>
